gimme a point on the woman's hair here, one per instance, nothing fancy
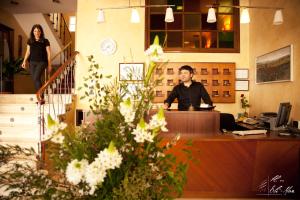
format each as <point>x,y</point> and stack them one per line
<point>188,68</point>
<point>38,26</point>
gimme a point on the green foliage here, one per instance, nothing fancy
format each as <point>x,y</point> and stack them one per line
<point>147,169</point>
<point>12,67</point>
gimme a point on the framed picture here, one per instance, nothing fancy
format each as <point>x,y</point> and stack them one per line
<point>276,66</point>
<point>242,85</point>
<point>241,73</point>
<point>131,71</point>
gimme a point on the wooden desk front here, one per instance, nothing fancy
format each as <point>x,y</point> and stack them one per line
<point>193,122</point>
<point>242,166</point>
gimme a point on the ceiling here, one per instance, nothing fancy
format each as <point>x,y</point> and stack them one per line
<point>38,6</point>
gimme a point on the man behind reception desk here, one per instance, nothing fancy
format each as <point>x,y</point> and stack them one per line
<point>188,92</point>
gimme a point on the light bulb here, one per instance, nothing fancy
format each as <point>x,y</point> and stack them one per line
<point>169,17</point>
<point>211,16</point>
<point>135,17</point>
<point>245,18</point>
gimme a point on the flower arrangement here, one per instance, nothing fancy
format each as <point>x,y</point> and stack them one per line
<point>121,156</point>
<point>245,104</point>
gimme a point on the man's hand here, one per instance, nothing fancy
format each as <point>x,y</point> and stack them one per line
<point>165,106</point>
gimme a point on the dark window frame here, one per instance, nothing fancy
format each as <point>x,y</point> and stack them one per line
<point>236,31</point>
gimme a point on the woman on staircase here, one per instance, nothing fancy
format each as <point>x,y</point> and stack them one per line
<point>38,54</point>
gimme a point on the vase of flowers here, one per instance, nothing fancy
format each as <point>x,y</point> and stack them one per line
<point>121,156</point>
<point>244,104</point>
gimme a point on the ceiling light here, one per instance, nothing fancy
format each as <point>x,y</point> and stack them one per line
<point>100,17</point>
<point>278,19</point>
<point>211,16</point>
<point>245,18</point>
<point>135,17</point>
<point>169,17</point>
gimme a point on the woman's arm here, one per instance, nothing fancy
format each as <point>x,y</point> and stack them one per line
<point>27,53</point>
<point>49,58</point>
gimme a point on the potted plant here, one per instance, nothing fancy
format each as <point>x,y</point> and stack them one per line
<point>9,68</point>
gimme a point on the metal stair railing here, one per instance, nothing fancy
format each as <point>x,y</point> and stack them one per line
<point>56,93</point>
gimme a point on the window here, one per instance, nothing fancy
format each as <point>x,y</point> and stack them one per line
<point>190,32</point>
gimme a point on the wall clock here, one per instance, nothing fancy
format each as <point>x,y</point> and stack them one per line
<point>108,46</point>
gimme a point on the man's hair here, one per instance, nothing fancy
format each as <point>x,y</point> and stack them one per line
<point>187,67</point>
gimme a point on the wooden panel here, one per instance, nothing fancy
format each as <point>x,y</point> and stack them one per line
<point>192,122</point>
<point>234,167</point>
<point>219,78</point>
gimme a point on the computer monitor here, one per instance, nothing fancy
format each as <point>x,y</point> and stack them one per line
<point>283,114</point>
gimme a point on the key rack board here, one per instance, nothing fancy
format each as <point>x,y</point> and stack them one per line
<point>218,79</point>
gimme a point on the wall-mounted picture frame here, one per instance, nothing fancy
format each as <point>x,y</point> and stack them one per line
<point>131,71</point>
<point>241,85</point>
<point>241,74</point>
<point>276,66</point>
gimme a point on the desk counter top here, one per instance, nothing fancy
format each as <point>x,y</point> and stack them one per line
<point>232,137</point>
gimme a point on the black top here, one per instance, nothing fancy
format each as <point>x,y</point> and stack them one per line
<point>38,51</point>
<point>187,96</point>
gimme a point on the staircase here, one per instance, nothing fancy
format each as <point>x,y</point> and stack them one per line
<point>20,116</point>
<point>19,120</point>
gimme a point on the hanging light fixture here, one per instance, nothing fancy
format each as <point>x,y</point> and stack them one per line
<point>211,16</point>
<point>245,18</point>
<point>100,17</point>
<point>135,17</point>
<point>278,19</point>
<point>169,17</point>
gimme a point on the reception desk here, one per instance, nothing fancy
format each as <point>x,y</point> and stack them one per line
<point>193,122</point>
<point>231,166</point>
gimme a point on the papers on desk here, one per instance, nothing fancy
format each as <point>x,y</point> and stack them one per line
<point>250,132</point>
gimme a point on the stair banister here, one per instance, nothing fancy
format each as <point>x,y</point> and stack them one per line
<point>56,75</point>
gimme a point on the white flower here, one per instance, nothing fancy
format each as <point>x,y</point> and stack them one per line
<point>58,138</point>
<point>110,158</point>
<point>155,52</point>
<point>75,171</point>
<point>95,174</point>
<point>158,121</point>
<point>141,133</point>
<point>127,110</point>
<point>54,129</point>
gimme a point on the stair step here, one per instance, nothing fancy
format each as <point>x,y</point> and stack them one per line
<point>20,133</point>
<point>31,98</point>
<point>18,98</point>
<point>18,108</point>
<point>13,119</point>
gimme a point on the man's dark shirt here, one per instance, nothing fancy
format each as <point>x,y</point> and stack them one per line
<point>189,96</point>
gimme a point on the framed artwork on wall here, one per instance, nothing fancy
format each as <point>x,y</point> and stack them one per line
<point>241,74</point>
<point>276,66</point>
<point>241,85</point>
<point>131,71</point>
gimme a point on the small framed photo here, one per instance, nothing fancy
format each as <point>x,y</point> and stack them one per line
<point>241,73</point>
<point>241,85</point>
<point>131,71</point>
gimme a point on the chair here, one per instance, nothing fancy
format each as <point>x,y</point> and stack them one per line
<point>227,122</point>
